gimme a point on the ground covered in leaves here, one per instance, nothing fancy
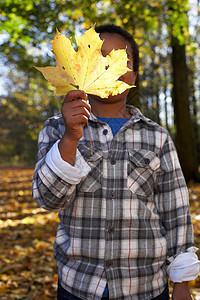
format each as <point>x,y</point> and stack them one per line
<point>27,232</point>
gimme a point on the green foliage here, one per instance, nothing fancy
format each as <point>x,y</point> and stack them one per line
<point>28,28</point>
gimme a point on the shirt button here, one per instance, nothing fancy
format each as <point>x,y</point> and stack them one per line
<point>105,131</point>
<point>147,161</point>
<point>109,263</point>
<point>112,195</point>
<point>111,229</point>
<point>113,161</point>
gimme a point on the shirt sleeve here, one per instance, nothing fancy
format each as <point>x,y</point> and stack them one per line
<point>184,267</point>
<point>67,172</point>
<point>172,202</point>
<point>51,187</point>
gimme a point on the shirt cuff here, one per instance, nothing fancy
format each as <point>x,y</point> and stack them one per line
<point>184,267</point>
<point>70,174</point>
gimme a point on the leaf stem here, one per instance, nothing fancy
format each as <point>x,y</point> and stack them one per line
<point>90,138</point>
<point>89,133</point>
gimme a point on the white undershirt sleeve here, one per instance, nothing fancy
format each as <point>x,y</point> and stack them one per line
<point>70,174</point>
<point>184,267</point>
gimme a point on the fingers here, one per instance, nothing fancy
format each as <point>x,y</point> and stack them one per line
<point>76,112</point>
<point>80,110</point>
<point>76,107</point>
<point>77,120</point>
<point>74,104</point>
<point>75,94</point>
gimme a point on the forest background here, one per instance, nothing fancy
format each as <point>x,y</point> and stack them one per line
<point>168,91</point>
<point>168,35</point>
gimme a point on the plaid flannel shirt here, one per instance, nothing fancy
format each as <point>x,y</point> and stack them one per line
<point>126,218</point>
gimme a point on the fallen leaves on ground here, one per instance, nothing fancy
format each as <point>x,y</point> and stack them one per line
<point>27,232</point>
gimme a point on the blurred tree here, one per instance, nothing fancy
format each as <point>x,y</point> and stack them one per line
<point>22,115</point>
<point>184,132</point>
<point>194,72</point>
<point>28,28</point>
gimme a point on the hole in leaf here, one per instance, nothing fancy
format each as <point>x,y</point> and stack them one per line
<point>106,67</point>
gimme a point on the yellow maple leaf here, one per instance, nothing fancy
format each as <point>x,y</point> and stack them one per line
<point>86,69</point>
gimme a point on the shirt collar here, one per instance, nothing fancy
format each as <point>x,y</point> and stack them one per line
<point>134,111</point>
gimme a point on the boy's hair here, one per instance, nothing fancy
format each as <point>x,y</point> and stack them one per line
<point>111,28</point>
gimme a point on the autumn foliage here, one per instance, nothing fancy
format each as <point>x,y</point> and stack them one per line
<point>27,267</point>
<point>86,69</point>
<point>27,232</point>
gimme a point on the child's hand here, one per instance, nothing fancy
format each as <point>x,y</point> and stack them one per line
<point>181,291</point>
<point>76,112</point>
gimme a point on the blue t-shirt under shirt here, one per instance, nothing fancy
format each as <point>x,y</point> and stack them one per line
<point>115,125</point>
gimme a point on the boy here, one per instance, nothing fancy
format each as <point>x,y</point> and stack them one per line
<point>124,213</point>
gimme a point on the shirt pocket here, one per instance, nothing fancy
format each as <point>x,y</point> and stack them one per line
<point>142,168</point>
<point>93,181</point>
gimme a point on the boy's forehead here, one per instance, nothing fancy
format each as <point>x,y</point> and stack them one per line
<point>114,37</point>
<point>114,41</point>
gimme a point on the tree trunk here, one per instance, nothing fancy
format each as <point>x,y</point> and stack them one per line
<point>184,136</point>
<point>194,105</point>
<point>157,106</point>
<point>165,101</point>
